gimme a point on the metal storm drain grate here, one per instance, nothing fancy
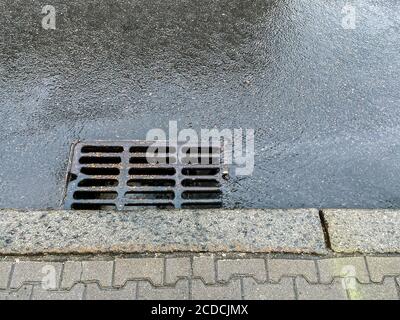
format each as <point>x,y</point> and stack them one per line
<point>123,175</point>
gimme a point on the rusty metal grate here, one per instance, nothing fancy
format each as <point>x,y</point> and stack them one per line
<point>123,175</point>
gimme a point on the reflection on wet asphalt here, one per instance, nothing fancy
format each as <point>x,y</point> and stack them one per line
<point>324,101</point>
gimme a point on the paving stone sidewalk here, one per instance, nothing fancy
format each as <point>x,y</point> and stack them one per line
<point>195,276</point>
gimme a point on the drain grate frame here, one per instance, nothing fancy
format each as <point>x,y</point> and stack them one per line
<point>117,175</point>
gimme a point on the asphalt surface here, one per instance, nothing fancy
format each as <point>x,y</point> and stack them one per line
<point>324,101</point>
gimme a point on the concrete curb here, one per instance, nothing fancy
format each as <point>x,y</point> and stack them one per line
<point>363,231</point>
<point>217,230</point>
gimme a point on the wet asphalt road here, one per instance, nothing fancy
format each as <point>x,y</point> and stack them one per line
<point>324,101</point>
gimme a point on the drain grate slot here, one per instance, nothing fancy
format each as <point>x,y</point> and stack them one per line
<point>154,149</point>
<point>93,206</point>
<point>199,205</point>
<point>149,205</point>
<point>152,171</point>
<point>93,171</point>
<point>210,194</point>
<point>144,195</point>
<point>152,160</point>
<point>101,149</point>
<point>95,195</point>
<point>151,183</point>
<point>105,160</point>
<point>98,183</point>
<point>200,183</point>
<point>130,174</point>
<point>200,171</point>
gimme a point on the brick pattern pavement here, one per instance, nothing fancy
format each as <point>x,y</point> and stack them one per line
<point>195,276</point>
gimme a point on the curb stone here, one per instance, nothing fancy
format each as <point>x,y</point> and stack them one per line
<point>149,230</point>
<point>296,231</point>
<point>363,231</point>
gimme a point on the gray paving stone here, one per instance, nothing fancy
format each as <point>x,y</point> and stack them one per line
<point>278,268</point>
<point>71,274</point>
<point>23,293</point>
<point>340,279</point>
<point>88,271</point>
<point>204,267</point>
<point>219,230</point>
<point>228,291</point>
<point>383,266</point>
<point>101,271</point>
<point>332,291</point>
<point>139,268</point>
<point>366,231</point>
<point>343,267</point>
<point>75,293</point>
<point>284,290</point>
<point>248,267</point>
<point>146,291</point>
<point>385,291</point>
<point>5,269</point>
<point>94,292</point>
<point>176,268</point>
<point>32,271</point>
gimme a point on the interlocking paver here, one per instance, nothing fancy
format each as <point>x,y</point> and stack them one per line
<point>383,266</point>
<point>385,291</point>
<point>204,267</point>
<point>75,293</point>
<point>87,271</point>
<point>32,271</point>
<point>146,291</point>
<point>343,267</point>
<point>72,273</point>
<point>284,290</point>
<point>247,267</point>
<point>23,293</point>
<point>332,291</point>
<point>278,268</point>
<point>176,268</point>
<point>139,268</point>
<point>142,278</point>
<point>5,269</point>
<point>94,292</point>
<point>228,291</point>
<point>101,271</point>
